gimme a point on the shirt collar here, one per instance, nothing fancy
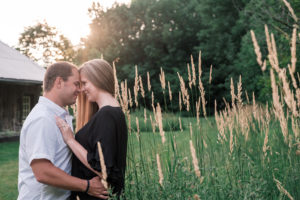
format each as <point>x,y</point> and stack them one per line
<point>59,111</point>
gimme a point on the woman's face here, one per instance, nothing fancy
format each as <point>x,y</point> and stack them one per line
<point>88,88</point>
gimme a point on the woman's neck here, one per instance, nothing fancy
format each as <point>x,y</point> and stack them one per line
<point>106,99</point>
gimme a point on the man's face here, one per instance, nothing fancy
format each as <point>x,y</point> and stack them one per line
<point>70,88</point>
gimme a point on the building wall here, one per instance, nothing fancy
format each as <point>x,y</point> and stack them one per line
<point>12,102</point>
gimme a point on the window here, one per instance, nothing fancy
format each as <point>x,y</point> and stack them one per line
<point>25,107</point>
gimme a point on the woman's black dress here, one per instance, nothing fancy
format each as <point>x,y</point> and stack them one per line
<point>109,127</point>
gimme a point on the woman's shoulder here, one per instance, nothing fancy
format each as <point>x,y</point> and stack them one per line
<point>108,109</point>
<point>106,112</point>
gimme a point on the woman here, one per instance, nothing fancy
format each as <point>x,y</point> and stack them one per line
<point>99,118</point>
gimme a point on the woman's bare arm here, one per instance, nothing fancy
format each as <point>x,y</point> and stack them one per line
<point>77,149</point>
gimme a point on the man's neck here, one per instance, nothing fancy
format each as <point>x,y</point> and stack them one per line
<point>53,98</point>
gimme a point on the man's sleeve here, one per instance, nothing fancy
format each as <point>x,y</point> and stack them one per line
<point>41,140</point>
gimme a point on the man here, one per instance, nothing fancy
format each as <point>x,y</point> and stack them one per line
<point>44,158</point>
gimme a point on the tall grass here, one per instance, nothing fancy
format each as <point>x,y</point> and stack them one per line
<point>246,151</point>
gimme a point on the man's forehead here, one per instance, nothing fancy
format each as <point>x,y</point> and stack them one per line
<point>75,72</point>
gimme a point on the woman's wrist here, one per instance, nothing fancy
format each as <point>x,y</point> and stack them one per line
<point>70,141</point>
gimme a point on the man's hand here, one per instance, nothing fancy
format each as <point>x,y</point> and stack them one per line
<point>97,189</point>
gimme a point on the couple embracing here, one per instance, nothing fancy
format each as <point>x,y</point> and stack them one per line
<point>53,164</point>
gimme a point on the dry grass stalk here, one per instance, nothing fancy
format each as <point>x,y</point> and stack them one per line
<point>239,94</point>
<point>160,174</point>
<point>103,167</point>
<point>247,97</point>
<point>124,99</point>
<point>162,79</point>
<point>220,124</point>
<point>210,74</point>
<point>272,50</point>
<point>130,99</point>
<point>152,99</point>
<point>191,130</point>
<point>189,76</point>
<point>180,103</point>
<point>230,126</point>
<point>152,124</point>
<point>255,108</point>
<point>174,142</point>
<point>288,5</point>
<point>117,93</point>
<point>233,97</point>
<point>198,111</point>
<point>196,197</point>
<point>137,128</point>
<point>204,144</point>
<point>288,95</point>
<point>243,121</point>
<point>294,82</point>
<point>180,124</point>
<point>199,67</point>
<point>266,127</point>
<point>195,162</point>
<point>278,110</point>
<point>295,127</point>
<point>170,91</point>
<point>148,81</point>
<point>129,121</point>
<point>256,49</point>
<point>184,93</point>
<point>160,124</point>
<point>298,97</point>
<point>141,87</point>
<point>202,94</point>
<point>136,87</point>
<point>275,57</point>
<point>145,115</point>
<point>281,188</point>
<point>193,71</point>
<point>293,50</point>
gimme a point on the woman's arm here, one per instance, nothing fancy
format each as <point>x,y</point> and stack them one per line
<point>77,149</point>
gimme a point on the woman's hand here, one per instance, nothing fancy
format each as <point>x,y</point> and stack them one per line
<point>65,129</point>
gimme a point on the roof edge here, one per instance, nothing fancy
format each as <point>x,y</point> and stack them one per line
<point>20,80</point>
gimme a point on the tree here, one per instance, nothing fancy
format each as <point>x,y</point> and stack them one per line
<point>276,16</point>
<point>45,45</point>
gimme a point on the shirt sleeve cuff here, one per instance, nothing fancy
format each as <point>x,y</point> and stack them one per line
<point>41,156</point>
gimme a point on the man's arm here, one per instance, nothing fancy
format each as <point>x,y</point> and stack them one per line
<point>45,172</point>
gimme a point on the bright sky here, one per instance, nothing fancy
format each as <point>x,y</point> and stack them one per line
<point>70,17</point>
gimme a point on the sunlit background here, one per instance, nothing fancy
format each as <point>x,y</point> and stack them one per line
<point>68,16</point>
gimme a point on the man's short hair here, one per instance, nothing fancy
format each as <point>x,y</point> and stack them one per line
<point>59,69</point>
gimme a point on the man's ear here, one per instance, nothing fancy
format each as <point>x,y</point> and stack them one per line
<point>58,82</point>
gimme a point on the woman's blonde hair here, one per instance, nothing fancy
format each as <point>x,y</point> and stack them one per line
<point>100,73</point>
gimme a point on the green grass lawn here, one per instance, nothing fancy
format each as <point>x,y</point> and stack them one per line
<point>9,170</point>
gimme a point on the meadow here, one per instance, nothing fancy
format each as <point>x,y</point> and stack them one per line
<point>244,172</point>
<point>247,150</point>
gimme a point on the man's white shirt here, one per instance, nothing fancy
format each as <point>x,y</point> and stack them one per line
<point>40,138</point>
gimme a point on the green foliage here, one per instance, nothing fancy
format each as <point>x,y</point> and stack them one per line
<point>153,34</point>
<point>44,44</point>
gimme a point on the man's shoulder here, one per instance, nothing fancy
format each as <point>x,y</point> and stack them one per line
<point>39,113</point>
